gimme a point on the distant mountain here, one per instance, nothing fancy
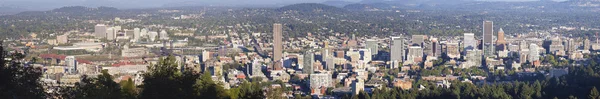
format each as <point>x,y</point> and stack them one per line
<point>337,3</point>
<point>82,9</point>
<point>312,7</point>
<point>10,10</point>
<point>367,7</point>
<point>75,10</point>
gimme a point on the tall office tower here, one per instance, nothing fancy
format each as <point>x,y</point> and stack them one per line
<point>488,32</point>
<point>110,33</point>
<point>500,42</point>
<point>309,60</point>
<point>136,34</point>
<point>488,35</point>
<point>277,45</point>
<point>436,48</point>
<point>100,31</point>
<point>71,63</point>
<point>572,45</point>
<point>469,42</point>
<point>534,53</point>
<point>418,40</point>
<point>373,46</point>
<point>397,49</point>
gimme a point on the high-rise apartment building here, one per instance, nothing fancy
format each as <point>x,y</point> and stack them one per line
<point>469,42</point>
<point>373,46</point>
<point>308,62</point>
<point>100,31</point>
<point>397,49</point>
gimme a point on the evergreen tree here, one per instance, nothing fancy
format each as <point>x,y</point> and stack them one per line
<point>128,89</point>
<point>18,81</point>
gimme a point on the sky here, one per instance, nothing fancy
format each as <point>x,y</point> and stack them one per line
<point>126,4</point>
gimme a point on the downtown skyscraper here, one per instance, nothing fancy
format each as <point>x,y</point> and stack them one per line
<point>277,46</point>
<point>488,35</point>
<point>396,50</point>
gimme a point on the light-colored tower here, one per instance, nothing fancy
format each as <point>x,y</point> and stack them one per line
<point>373,46</point>
<point>309,60</point>
<point>469,41</point>
<point>534,53</point>
<point>100,31</point>
<point>136,34</point>
<point>277,45</point>
<point>397,49</point>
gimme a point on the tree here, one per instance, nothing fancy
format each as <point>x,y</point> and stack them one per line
<point>207,88</point>
<point>18,81</point>
<point>163,80</point>
<point>247,90</point>
<point>594,94</point>
<point>128,89</point>
<point>102,87</point>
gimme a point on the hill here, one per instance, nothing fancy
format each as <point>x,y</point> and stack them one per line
<point>312,7</point>
<point>337,3</point>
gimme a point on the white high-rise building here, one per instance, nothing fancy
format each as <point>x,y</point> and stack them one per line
<point>373,45</point>
<point>110,33</point>
<point>534,53</point>
<point>397,49</point>
<point>100,31</point>
<point>136,34</point>
<point>469,41</point>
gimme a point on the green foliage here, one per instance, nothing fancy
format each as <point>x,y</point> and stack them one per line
<point>247,90</point>
<point>18,81</point>
<point>102,87</point>
<point>128,89</point>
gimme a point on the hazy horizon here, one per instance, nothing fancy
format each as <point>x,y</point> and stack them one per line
<point>130,4</point>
